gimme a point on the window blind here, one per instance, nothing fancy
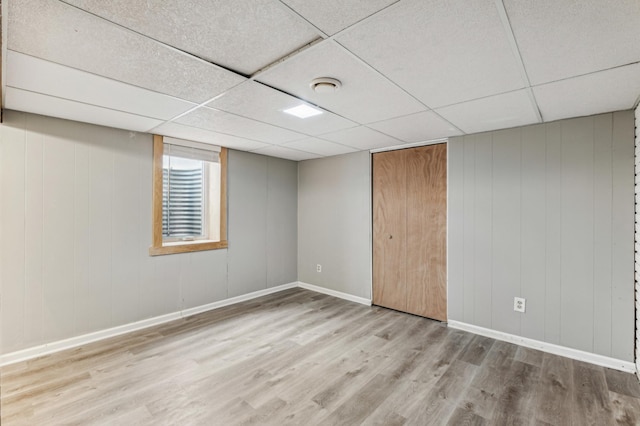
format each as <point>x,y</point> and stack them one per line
<point>183,202</point>
<point>184,187</point>
<point>191,150</point>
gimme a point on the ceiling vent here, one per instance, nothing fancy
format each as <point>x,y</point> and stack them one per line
<point>325,85</point>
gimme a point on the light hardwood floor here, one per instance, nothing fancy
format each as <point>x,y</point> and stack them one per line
<point>303,358</point>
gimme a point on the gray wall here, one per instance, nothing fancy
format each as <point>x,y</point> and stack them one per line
<point>334,223</point>
<point>263,222</point>
<point>545,212</point>
<point>637,235</point>
<point>75,228</point>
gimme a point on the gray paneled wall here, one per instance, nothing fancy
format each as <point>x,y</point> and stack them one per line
<point>334,223</point>
<point>75,228</point>
<point>545,212</point>
<point>637,235</point>
<point>262,219</point>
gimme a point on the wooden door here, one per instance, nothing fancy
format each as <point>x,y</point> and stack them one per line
<point>389,230</point>
<point>409,230</point>
<point>427,231</point>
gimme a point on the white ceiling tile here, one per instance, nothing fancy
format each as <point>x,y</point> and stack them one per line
<point>243,35</point>
<point>61,33</point>
<point>22,100</point>
<point>259,102</point>
<point>560,39</point>
<point>36,75</point>
<point>287,153</point>
<point>365,95</point>
<point>361,138</point>
<point>453,56</point>
<point>332,16</point>
<point>605,91</point>
<point>441,51</point>
<point>319,146</point>
<point>206,136</point>
<point>492,113</point>
<point>224,122</point>
<point>419,127</point>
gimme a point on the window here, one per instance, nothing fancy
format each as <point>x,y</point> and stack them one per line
<point>189,196</point>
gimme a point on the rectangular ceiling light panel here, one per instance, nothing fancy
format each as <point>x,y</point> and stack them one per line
<point>303,111</point>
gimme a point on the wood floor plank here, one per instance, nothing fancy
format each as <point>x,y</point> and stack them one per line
<point>622,383</point>
<point>555,391</point>
<point>452,344</point>
<point>626,409</point>
<point>437,405</point>
<point>357,408</point>
<point>388,419</point>
<point>476,350</point>
<point>300,357</point>
<point>530,356</point>
<point>516,403</point>
<point>425,348</point>
<point>481,396</point>
<point>592,405</point>
<point>463,417</point>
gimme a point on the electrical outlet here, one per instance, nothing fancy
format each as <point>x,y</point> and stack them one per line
<point>318,268</point>
<point>519,304</point>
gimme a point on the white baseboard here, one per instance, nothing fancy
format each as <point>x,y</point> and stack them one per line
<point>335,293</point>
<point>579,355</point>
<point>237,299</point>
<point>73,342</point>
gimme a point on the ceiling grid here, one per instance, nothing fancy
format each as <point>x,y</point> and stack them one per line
<point>409,70</point>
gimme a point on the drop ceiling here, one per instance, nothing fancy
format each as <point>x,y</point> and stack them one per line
<point>222,72</point>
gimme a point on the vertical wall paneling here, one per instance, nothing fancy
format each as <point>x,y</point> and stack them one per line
<point>282,213</point>
<point>637,236</point>
<point>552,232</point>
<point>561,208</point>
<point>602,211</point>
<point>97,301</point>
<point>2,246</point>
<point>148,293</point>
<point>455,235</point>
<point>247,223</point>
<point>533,206</point>
<point>334,223</point>
<point>482,238</point>
<point>468,226</point>
<point>33,279</point>
<point>76,232</point>
<point>125,269</point>
<point>205,280</point>
<point>622,231</point>
<point>82,238</point>
<point>577,254</point>
<point>58,227</point>
<point>506,229</point>
<point>167,282</point>
<point>13,231</point>
<point>215,288</point>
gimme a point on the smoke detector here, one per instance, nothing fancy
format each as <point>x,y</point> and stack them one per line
<point>325,85</point>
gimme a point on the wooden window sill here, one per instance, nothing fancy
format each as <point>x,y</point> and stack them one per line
<point>187,247</point>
